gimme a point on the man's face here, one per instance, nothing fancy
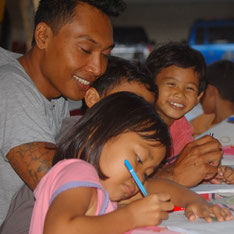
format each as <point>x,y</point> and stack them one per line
<point>77,54</point>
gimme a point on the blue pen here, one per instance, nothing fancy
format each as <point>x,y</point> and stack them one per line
<point>135,177</point>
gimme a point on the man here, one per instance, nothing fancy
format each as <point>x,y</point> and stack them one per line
<point>71,44</point>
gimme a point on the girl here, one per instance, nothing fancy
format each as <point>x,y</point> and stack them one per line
<point>79,194</point>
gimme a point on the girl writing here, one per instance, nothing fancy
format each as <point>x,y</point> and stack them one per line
<point>80,193</point>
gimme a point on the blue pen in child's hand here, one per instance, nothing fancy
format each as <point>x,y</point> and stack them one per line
<point>135,177</point>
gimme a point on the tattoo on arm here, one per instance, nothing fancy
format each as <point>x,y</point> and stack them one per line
<point>31,161</point>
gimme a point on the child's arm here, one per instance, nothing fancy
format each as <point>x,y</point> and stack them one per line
<point>194,204</point>
<point>225,174</point>
<point>73,212</point>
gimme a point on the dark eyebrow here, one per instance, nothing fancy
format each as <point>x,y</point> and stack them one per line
<point>93,41</point>
<point>174,78</point>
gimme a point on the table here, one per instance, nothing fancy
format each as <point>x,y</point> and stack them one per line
<point>178,220</point>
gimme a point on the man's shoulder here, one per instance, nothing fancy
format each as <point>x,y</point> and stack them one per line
<point>7,56</point>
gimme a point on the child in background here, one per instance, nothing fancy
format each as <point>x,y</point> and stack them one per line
<point>218,99</point>
<point>218,106</point>
<point>80,192</point>
<point>179,72</point>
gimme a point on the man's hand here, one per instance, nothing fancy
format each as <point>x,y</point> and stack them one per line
<point>31,161</point>
<point>198,160</point>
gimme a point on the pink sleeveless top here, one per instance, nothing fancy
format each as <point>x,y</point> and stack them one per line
<point>66,174</point>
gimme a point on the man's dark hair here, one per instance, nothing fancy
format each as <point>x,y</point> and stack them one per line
<point>55,13</point>
<point>118,70</point>
<point>113,115</point>
<point>220,74</point>
<point>181,55</point>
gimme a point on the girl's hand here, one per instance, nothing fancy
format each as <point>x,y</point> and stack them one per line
<point>208,212</point>
<point>150,210</point>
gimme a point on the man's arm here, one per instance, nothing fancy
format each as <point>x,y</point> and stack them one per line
<point>198,160</point>
<point>31,161</point>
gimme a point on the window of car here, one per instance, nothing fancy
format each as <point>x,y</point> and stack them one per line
<point>200,36</point>
<point>221,34</point>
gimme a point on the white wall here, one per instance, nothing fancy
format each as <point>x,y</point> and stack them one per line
<point>171,21</point>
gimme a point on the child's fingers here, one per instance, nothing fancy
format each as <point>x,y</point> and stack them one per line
<point>164,197</point>
<point>165,202</point>
<point>167,206</point>
<point>163,215</point>
<point>208,212</point>
<point>222,213</point>
<point>225,171</point>
<point>190,215</point>
<point>228,175</point>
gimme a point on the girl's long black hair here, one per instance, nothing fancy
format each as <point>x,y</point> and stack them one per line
<point>115,114</point>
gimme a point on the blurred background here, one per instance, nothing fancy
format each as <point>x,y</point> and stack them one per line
<point>145,24</point>
<point>207,25</point>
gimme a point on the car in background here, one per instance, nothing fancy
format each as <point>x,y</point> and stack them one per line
<point>214,39</point>
<point>132,43</point>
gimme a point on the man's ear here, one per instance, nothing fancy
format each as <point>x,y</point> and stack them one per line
<point>91,97</point>
<point>42,34</point>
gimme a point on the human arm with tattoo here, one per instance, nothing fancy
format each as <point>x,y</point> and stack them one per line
<point>31,161</point>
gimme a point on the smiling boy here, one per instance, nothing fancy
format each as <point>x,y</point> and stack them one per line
<point>179,72</point>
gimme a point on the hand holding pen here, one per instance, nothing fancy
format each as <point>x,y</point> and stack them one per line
<point>151,209</point>
<point>140,185</point>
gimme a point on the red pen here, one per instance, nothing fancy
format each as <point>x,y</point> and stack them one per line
<point>177,208</point>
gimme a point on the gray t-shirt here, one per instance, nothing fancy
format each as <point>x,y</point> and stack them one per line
<point>26,116</point>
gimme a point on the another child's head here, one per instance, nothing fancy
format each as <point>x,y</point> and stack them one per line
<point>122,75</point>
<point>120,126</point>
<point>220,80</point>
<point>179,72</point>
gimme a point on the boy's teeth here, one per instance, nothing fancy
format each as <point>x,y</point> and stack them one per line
<point>82,81</point>
<point>177,104</point>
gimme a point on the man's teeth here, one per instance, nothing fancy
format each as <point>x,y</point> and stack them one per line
<point>82,81</point>
<point>177,104</point>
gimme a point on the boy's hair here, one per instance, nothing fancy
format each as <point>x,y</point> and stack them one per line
<point>220,74</point>
<point>119,70</point>
<point>113,115</point>
<point>181,55</point>
<point>55,13</point>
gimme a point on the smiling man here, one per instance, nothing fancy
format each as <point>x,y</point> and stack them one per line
<point>71,44</point>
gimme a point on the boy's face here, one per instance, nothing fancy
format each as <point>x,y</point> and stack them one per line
<point>134,87</point>
<point>178,92</point>
<point>76,55</point>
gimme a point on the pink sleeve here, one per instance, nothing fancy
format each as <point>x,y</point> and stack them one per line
<point>66,174</point>
<point>181,134</point>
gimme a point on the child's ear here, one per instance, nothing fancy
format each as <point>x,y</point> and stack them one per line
<point>42,34</point>
<point>200,96</point>
<point>91,97</point>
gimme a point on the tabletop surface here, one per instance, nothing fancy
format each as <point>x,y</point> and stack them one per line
<point>178,222</point>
